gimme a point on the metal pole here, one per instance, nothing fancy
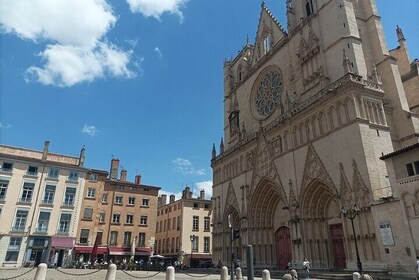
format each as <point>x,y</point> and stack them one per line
<point>230,225</point>
<point>358,260</point>
<point>250,269</point>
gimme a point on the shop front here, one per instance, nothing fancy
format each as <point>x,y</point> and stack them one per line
<point>61,250</point>
<point>37,250</point>
<point>84,253</point>
<point>119,254</point>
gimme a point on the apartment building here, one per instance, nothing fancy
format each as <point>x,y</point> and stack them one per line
<point>40,199</point>
<point>183,228</point>
<point>120,214</point>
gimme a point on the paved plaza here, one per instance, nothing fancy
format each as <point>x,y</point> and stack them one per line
<point>89,274</point>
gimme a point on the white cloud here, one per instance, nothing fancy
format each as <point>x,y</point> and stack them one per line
<point>75,31</point>
<point>186,167</point>
<point>204,185</point>
<point>158,52</point>
<point>155,8</point>
<point>5,125</point>
<point>90,130</point>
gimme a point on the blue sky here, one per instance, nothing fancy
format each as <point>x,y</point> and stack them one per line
<point>139,80</point>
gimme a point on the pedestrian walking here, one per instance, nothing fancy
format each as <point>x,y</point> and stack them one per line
<point>306,266</point>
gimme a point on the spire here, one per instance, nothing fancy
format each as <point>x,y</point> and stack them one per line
<point>346,63</point>
<point>400,36</point>
<point>222,146</point>
<point>375,76</point>
<point>214,153</point>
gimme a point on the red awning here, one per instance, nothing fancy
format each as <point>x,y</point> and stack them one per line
<point>139,251</point>
<point>62,242</point>
<point>89,249</point>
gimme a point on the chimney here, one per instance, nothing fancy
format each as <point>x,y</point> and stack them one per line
<point>138,179</point>
<point>45,152</point>
<point>114,168</point>
<point>163,199</point>
<point>82,156</point>
<point>172,198</point>
<point>123,175</point>
<point>159,202</point>
<point>202,194</point>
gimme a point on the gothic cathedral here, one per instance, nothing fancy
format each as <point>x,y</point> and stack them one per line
<point>308,112</point>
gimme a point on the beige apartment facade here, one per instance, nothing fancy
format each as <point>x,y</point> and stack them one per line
<point>40,200</point>
<point>308,112</point>
<point>183,229</point>
<point>120,215</point>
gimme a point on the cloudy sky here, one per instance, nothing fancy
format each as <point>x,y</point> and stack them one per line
<point>138,80</point>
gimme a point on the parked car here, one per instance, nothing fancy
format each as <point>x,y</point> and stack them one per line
<point>207,264</point>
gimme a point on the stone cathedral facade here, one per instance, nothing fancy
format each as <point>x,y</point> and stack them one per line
<point>308,112</point>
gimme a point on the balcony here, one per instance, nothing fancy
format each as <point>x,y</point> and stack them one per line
<point>6,169</point>
<point>25,199</point>
<point>18,228</point>
<point>32,173</point>
<point>62,231</point>
<point>47,201</point>
<point>42,229</point>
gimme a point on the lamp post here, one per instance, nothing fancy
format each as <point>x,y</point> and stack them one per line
<point>192,238</point>
<point>230,225</point>
<point>351,213</point>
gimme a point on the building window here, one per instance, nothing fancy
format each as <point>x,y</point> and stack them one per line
<point>416,163</point>
<point>114,238</point>
<point>196,205</point>
<point>141,239</point>
<point>143,220</point>
<point>3,189</point>
<point>410,171</point>
<point>84,236</point>
<point>145,202</point>
<point>53,173</point>
<point>174,223</point>
<point>195,243</point>
<point>88,213</point>
<point>32,171</point>
<point>206,206</point>
<point>91,192</point>
<point>267,43</point>
<point>131,200</point>
<point>309,7</point>
<point>168,224</point>
<point>206,223</point>
<point>73,176</point>
<point>65,221</point>
<point>195,223</point>
<point>7,167</point>
<point>116,218</point>
<point>172,245</point>
<point>49,194</point>
<point>99,237</point>
<point>127,238</point>
<point>13,249</point>
<point>20,221</point>
<point>105,198</point>
<point>177,244</point>
<point>27,192</point>
<point>118,199</point>
<point>102,217</point>
<point>130,219</point>
<point>43,222</point>
<point>93,177</point>
<point>178,223</point>
<point>206,244</point>
<point>70,194</point>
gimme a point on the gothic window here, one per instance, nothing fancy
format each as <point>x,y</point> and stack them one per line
<point>239,73</point>
<point>234,122</point>
<point>268,93</point>
<point>309,7</point>
<point>267,43</point>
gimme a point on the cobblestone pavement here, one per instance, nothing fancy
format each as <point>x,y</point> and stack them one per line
<point>90,274</point>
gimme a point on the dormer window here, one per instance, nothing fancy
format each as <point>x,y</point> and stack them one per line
<point>309,7</point>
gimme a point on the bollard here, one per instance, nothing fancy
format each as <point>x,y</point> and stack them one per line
<point>239,273</point>
<point>366,277</point>
<point>356,276</point>
<point>266,275</point>
<point>170,273</point>
<point>41,272</point>
<point>111,274</point>
<point>294,274</point>
<point>224,273</point>
<point>250,260</point>
<point>287,277</point>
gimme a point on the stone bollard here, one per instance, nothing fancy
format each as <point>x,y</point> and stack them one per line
<point>366,277</point>
<point>287,276</point>
<point>356,276</point>
<point>266,275</point>
<point>111,274</point>
<point>41,272</point>
<point>239,273</point>
<point>224,273</point>
<point>170,273</point>
<point>294,274</point>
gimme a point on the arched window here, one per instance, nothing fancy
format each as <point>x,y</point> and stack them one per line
<point>267,43</point>
<point>309,7</point>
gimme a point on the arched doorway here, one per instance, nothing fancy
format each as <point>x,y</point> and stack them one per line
<point>283,246</point>
<point>322,226</point>
<point>266,215</point>
<point>237,244</point>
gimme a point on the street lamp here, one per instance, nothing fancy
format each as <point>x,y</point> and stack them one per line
<point>192,238</point>
<point>351,213</point>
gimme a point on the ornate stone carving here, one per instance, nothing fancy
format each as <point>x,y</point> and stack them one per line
<point>362,193</point>
<point>231,199</point>
<point>346,192</point>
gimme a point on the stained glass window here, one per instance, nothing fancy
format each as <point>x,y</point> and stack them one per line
<point>269,93</point>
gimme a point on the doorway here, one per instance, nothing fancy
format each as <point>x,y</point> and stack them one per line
<point>283,247</point>
<point>339,258</point>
